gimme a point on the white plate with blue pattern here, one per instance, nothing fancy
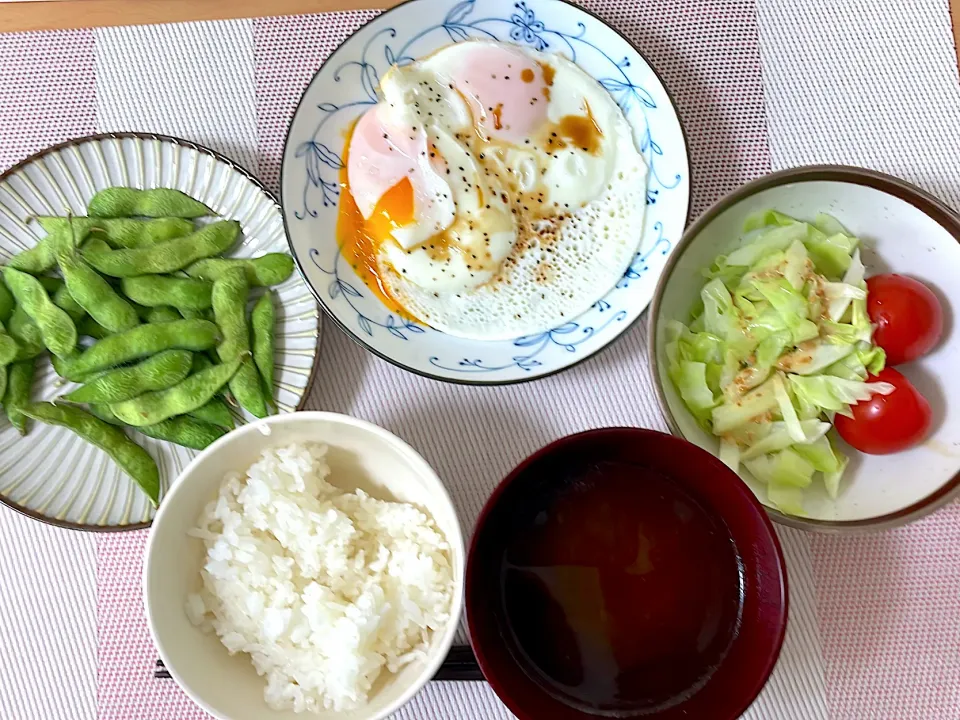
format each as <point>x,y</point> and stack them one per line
<point>346,86</point>
<point>52,474</point>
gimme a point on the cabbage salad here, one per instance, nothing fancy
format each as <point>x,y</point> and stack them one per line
<point>778,342</point>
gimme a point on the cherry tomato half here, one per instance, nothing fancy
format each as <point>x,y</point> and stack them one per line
<point>907,314</point>
<point>887,423</point>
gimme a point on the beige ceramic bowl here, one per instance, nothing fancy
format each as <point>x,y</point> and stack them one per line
<point>903,230</point>
<point>373,459</point>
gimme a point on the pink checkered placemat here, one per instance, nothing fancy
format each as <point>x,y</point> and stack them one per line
<point>875,621</point>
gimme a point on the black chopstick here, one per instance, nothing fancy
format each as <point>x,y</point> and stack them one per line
<point>460,664</point>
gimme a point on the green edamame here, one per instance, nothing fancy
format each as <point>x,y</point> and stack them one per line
<point>19,385</point>
<point>64,300</point>
<point>123,232</point>
<point>263,320</point>
<point>263,271</point>
<point>168,256</point>
<point>88,327</point>
<point>26,333</point>
<point>7,303</point>
<point>214,412</point>
<point>182,430</point>
<point>200,362</point>
<point>180,293</point>
<point>50,284</point>
<point>62,368</point>
<point>57,329</point>
<point>95,295</point>
<point>124,202</point>
<point>103,412</point>
<point>42,256</point>
<point>143,341</point>
<point>158,372</point>
<point>185,431</point>
<point>66,225</point>
<point>184,397</point>
<point>161,314</point>
<point>9,349</point>
<point>96,244</point>
<point>132,458</point>
<point>230,310</point>
<point>190,314</point>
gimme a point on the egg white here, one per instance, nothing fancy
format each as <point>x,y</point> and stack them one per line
<point>502,269</point>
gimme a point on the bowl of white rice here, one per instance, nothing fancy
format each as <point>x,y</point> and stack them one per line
<point>304,566</point>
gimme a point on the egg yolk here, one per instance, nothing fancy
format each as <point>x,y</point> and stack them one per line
<point>393,210</point>
<point>360,238</point>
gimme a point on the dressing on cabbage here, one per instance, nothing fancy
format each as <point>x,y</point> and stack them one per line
<point>778,342</point>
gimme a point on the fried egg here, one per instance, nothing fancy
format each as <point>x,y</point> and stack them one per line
<point>493,192</point>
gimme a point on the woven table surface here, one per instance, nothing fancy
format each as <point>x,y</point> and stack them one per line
<point>761,85</point>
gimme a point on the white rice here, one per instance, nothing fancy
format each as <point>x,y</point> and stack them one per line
<point>324,589</point>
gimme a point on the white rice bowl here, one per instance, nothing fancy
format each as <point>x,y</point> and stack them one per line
<point>324,589</point>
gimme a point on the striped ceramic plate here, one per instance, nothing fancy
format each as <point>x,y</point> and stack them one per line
<point>53,475</point>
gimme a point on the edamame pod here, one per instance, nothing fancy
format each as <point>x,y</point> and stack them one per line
<point>26,333</point>
<point>185,431</point>
<point>230,310</point>
<point>65,301</point>
<point>88,327</point>
<point>200,362</point>
<point>123,232</point>
<point>263,319</point>
<point>214,412</point>
<point>180,293</point>
<point>161,314</point>
<point>103,412</point>
<point>19,385</point>
<point>182,430</point>
<point>168,256</point>
<point>9,349</point>
<point>50,284</point>
<point>54,224</point>
<point>184,397</point>
<point>94,294</point>
<point>42,256</point>
<point>263,271</point>
<point>96,244</point>
<point>124,202</point>
<point>7,303</point>
<point>143,341</point>
<point>56,328</point>
<point>132,458</point>
<point>163,370</point>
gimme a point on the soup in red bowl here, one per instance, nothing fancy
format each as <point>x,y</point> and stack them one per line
<point>625,573</point>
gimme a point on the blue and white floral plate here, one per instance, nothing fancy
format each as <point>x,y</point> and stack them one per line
<point>346,86</point>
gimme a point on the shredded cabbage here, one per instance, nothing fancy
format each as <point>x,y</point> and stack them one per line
<point>779,340</point>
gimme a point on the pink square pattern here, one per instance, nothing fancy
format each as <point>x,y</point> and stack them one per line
<point>127,689</point>
<point>47,91</point>
<point>889,611</point>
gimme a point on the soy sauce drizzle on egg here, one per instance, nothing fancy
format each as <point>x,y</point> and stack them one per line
<point>458,181</point>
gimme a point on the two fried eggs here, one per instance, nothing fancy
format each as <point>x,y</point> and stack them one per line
<point>493,192</point>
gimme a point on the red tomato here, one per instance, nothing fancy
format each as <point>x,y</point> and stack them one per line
<point>907,314</point>
<point>887,423</point>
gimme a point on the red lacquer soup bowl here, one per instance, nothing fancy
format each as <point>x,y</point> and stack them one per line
<point>625,573</point>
